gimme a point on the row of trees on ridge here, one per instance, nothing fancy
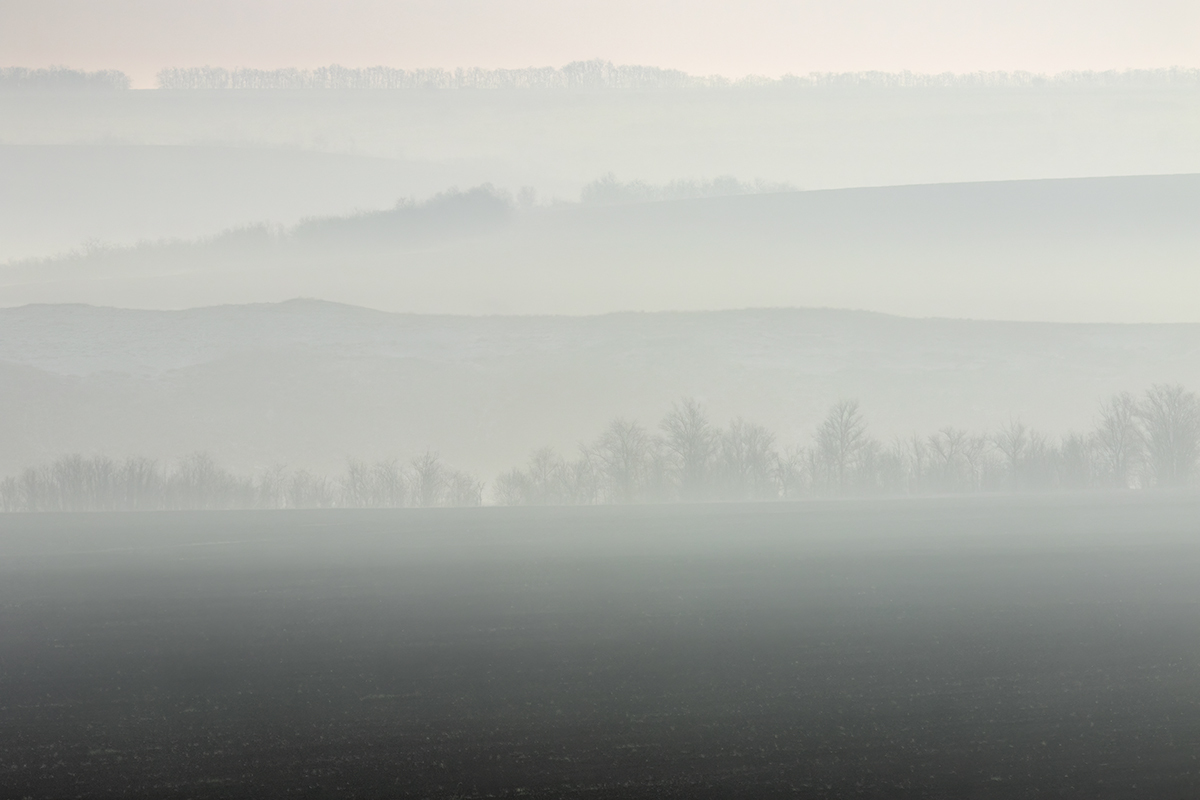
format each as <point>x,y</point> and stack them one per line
<point>76,483</point>
<point>578,75</point>
<point>1151,441</point>
<point>599,74</point>
<point>58,79</point>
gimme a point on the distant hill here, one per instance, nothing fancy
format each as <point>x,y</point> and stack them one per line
<point>146,164</point>
<point>1096,249</point>
<point>311,383</point>
<point>57,198</point>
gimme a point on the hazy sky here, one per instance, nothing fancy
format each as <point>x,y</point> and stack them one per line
<point>768,37</point>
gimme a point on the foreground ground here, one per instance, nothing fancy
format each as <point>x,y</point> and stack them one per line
<point>945,648</point>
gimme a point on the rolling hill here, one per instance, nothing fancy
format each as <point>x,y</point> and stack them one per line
<point>310,383</point>
<point>1073,250</point>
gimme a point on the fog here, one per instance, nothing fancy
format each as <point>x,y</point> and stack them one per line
<point>238,383</point>
<point>556,399</point>
<point>705,37</point>
<point>121,166</point>
<point>477,265</point>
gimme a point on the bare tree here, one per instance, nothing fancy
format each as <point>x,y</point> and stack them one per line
<point>691,444</point>
<point>582,480</point>
<point>304,490</point>
<point>1076,467</point>
<point>70,484</point>
<point>840,441</point>
<point>1171,416</point>
<point>917,463</point>
<point>550,480</point>
<point>790,472</point>
<point>891,468</point>
<point>271,487</point>
<point>546,476</point>
<point>512,488</point>
<point>463,490</point>
<point>34,490</point>
<point>198,483</point>
<point>1119,443</point>
<point>388,485</point>
<point>542,482</point>
<point>10,495</point>
<point>979,460</point>
<point>869,467</point>
<point>622,454</point>
<point>1013,442</point>
<point>429,481</point>
<point>1040,467</point>
<point>658,481</point>
<point>947,449</point>
<point>1030,461</point>
<point>747,461</point>
<point>356,485</point>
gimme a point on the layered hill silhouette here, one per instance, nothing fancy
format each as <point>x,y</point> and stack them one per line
<point>1098,249</point>
<point>310,384</point>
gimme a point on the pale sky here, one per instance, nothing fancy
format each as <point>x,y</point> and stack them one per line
<point>765,37</point>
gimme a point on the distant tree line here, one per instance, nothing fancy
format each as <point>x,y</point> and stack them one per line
<point>576,75</point>
<point>77,483</point>
<point>607,190</point>
<point>1151,441</point>
<point>447,213</point>
<point>1132,78</point>
<point>599,74</point>
<point>61,79</point>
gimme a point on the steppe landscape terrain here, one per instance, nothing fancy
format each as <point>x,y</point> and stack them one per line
<point>632,401</point>
<point>995,647</point>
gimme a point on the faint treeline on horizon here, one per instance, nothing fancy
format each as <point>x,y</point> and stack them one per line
<point>78,483</point>
<point>1137,443</point>
<point>578,75</point>
<point>58,79</point>
<point>600,74</point>
<point>444,216</point>
<point>1151,442</point>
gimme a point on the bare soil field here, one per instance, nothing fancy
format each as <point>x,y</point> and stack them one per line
<point>987,647</point>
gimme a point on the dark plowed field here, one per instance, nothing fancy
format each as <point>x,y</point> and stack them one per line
<point>1042,647</point>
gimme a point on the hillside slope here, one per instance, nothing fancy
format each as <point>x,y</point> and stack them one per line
<point>311,383</point>
<point>1102,249</point>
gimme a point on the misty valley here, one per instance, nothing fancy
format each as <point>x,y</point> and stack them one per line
<point>601,430</point>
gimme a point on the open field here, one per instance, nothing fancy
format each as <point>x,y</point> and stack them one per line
<point>986,647</point>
